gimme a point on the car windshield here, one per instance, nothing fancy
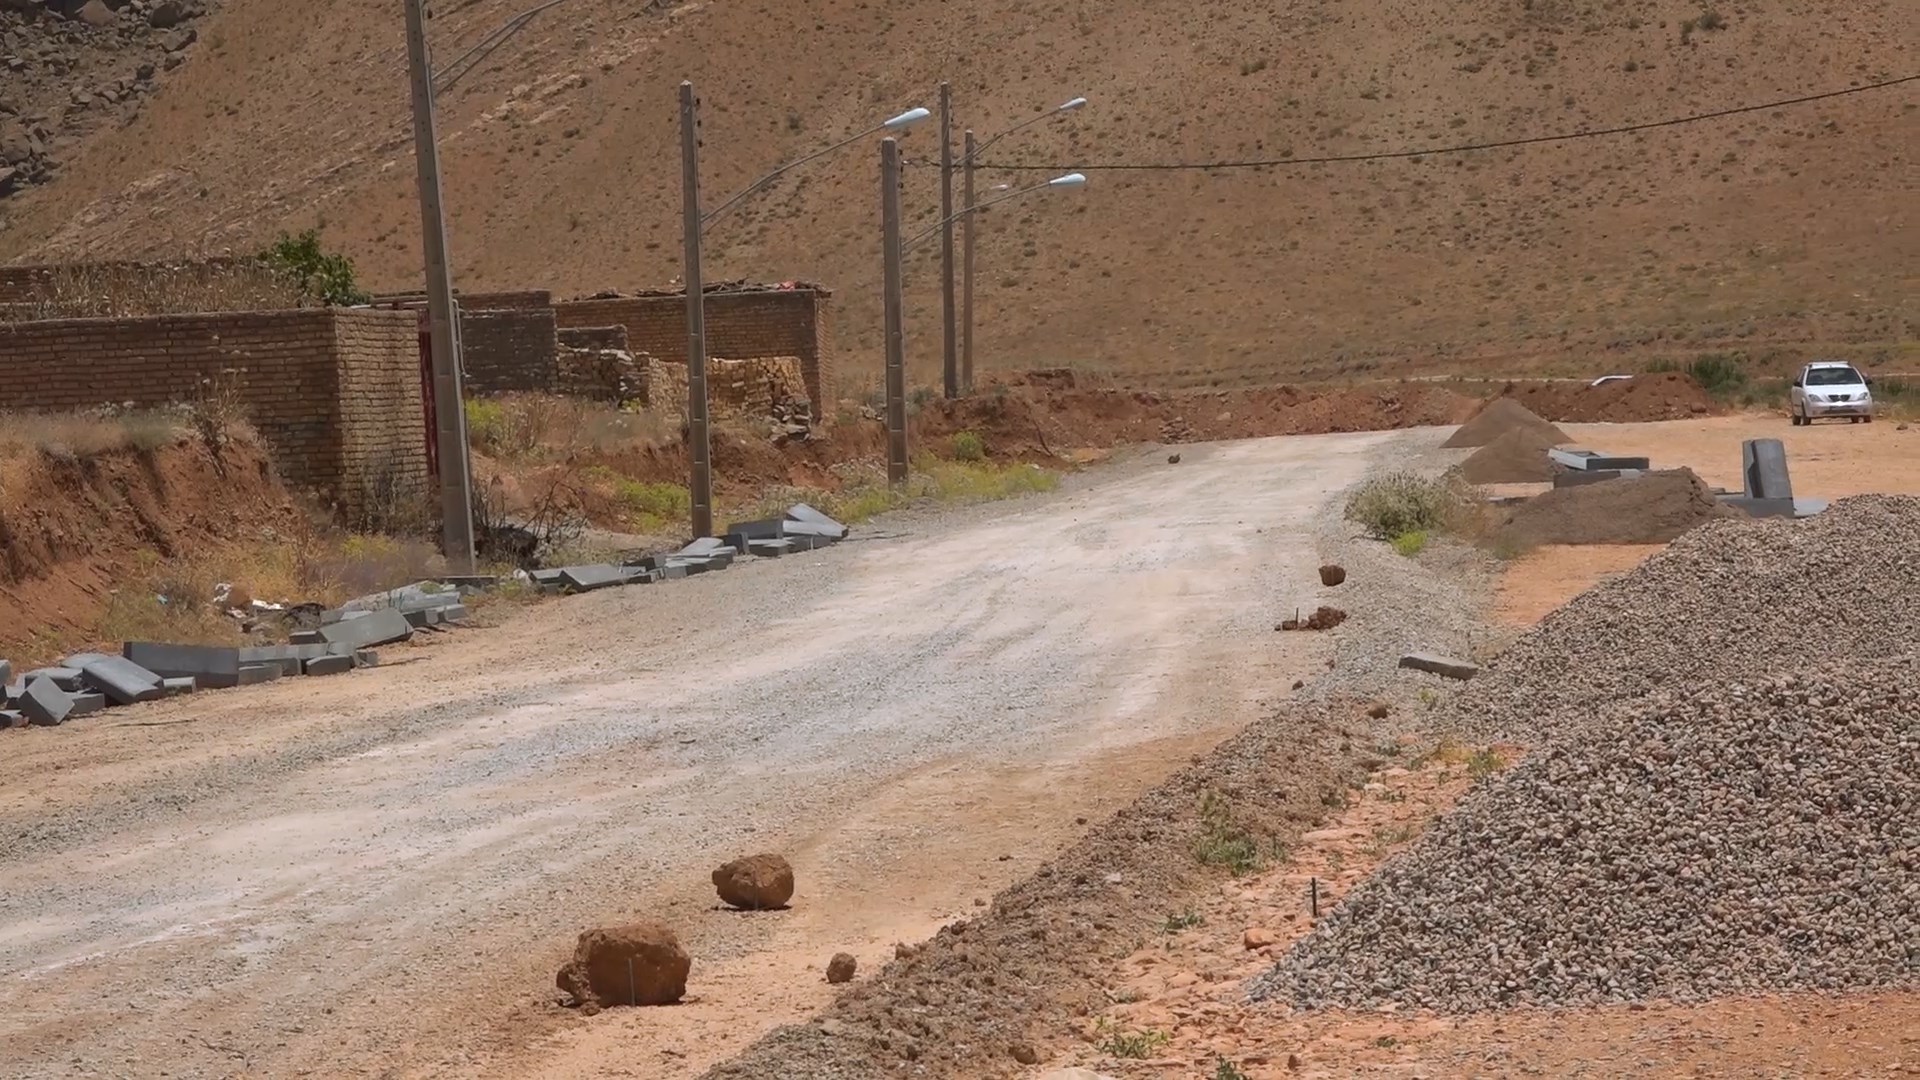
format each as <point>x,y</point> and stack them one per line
<point>1833,376</point>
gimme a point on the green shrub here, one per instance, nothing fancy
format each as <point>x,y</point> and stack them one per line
<point>968,446</point>
<point>654,504</point>
<point>1399,503</point>
<point>487,425</point>
<point>325,277</point>
<point>1411,543</point>
<point>1721,374</point>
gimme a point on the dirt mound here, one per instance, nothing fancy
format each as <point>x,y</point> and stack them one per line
<point>1323,618</point>
<point>1723,838</point>
<point>755,883</point>
<point>637,964</point>
<point>1665,396</point>
<point>75,526</point>
<point>1518,457</point>
<point>1652,508</point>
<point>1500,417</point>
<point>1007,983</point>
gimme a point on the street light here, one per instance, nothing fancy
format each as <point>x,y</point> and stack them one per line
<point>964,376</point>
<point>694,225</point>
<point>892,277</point>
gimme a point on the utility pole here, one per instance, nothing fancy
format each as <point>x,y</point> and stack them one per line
<point>701,451</point>
<point>966,273</point>
<point>949,351</point>
<point>895,332</point>
<point>449,400</point>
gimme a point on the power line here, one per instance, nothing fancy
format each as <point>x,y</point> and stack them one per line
<point>1388,155</point>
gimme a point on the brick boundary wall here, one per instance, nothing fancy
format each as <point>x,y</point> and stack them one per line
<point>335,392</point>
<point>512,299</point>
<point>508,349</point>
<point>742,324</point>
<point>594,337</point>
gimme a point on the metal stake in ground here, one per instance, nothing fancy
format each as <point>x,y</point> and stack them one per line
<point>949,346</point>
<point>1313,895</point>
<point>701,452</point>
<point>449,402</point>
<point>895,331</point>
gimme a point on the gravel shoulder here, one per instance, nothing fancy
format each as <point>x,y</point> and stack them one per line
<point>380,873</point>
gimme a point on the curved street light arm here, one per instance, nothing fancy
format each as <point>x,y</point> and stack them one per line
<point>761,184</point>
<point>1069,180</point>
<point>1057,110</point>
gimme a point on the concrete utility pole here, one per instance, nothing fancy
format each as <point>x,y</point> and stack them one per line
<point>949,351</point>
<point>449,401</point>
<point>701,451</point>
<point>895,332</point>
<point>966,273</point>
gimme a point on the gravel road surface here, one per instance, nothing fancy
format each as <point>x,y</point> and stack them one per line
<point>378,873</point>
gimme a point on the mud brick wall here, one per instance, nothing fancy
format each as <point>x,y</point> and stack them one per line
<point>614,376</point>
<point>507,349</point>
<point>746,324</point>
<point>475,301</point>
<point>594,337</point>
<point>335,393</point>
<point>746,389</point>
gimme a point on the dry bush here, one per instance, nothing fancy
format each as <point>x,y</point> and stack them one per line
<point>529,427</point>
<point>118,291</point>
<point>81,436</point>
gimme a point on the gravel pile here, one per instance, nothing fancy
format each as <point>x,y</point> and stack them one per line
<point>1731,599</point>
<point>1716,839</point>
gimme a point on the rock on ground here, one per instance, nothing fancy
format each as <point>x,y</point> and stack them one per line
<point>755,883</point>
<point>1332,574</point>
<point>841,968</point>
<point>1721,838</point>
<point>638,964</point>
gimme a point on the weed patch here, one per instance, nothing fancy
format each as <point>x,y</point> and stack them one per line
<point>1400,504</point>
<point>1223,841</point>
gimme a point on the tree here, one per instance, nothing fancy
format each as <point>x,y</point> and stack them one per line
<point>325,277</point>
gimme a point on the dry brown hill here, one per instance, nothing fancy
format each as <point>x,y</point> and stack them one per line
<point>1772,232</point>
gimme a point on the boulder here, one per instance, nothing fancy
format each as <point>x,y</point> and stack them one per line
<point>755,883</point>
<point>1331,575</point>
<point>840,969</point>
<point>637,964</point>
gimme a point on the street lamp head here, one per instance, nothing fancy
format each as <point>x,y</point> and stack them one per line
<point>1001,187</point>
<point>1072,179</point>
<point>907,119</point>
<point>1069,106</point>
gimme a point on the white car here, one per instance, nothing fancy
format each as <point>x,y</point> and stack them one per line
<point>1830,388</point>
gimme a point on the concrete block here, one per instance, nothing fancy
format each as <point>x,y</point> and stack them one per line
<point>306,637</point>
<point>421,618</point>
<point>328,618</point>
<point>480,582</point>
<point>1764,465</point>
<point>694,565</point>
<point>86,704</point>
<point>11,692</point>
<point>378,628</point>
<point>764,529</point>
<point>545,577</point>
<point>1808,507</point>
<point>6,672</point>
<point>832,534</point>
<point>327,665</point>
<point>210,666</point>
<point>65,678</point>
<point>588,578</point>
<point>672,571</point>
<point>182,685</point>
<point>706,545</point>
<point>44,704</point>
<point>255,674</point>
<point>453,613</point>
<point>79,661</point>
<point>123,681</point>
<point>1592,460</point>
<point>769,549</point>
<point>418,595</point>
<point>1444,666</point>
<point>805,513</point>
<point>11,719</point>
<point>366,658</point>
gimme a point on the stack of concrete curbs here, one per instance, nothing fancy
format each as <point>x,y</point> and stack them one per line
<point>802,529</point>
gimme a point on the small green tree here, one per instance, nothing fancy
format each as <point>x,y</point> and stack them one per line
<point>325,277</point>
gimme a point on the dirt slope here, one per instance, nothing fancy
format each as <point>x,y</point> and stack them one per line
<point>1766,231</point>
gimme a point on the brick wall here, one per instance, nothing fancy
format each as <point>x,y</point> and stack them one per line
<point>594,337</point>
<point>741,325</point>
<point>475,301</point>
<point>335,392</point>
<point>754,389</point>
<point>508,349</point>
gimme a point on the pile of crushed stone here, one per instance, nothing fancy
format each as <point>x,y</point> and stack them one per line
<point>1730,599</point>
<point>1652,508</point>
<point>1518,457</point>
<point>1499,417</point>
<point>1719,838</point>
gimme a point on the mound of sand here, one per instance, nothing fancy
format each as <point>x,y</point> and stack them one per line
<point>1503,415</point>
<point>1518,457</point>
<point>1652,508</point>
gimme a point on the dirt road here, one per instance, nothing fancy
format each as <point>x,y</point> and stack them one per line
<point>378,873</point>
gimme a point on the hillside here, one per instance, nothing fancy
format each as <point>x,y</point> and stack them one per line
<point>1766,231</point>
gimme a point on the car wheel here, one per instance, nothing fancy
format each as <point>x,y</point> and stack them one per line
<point>1866,419</point>
<point>1797,419</point>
